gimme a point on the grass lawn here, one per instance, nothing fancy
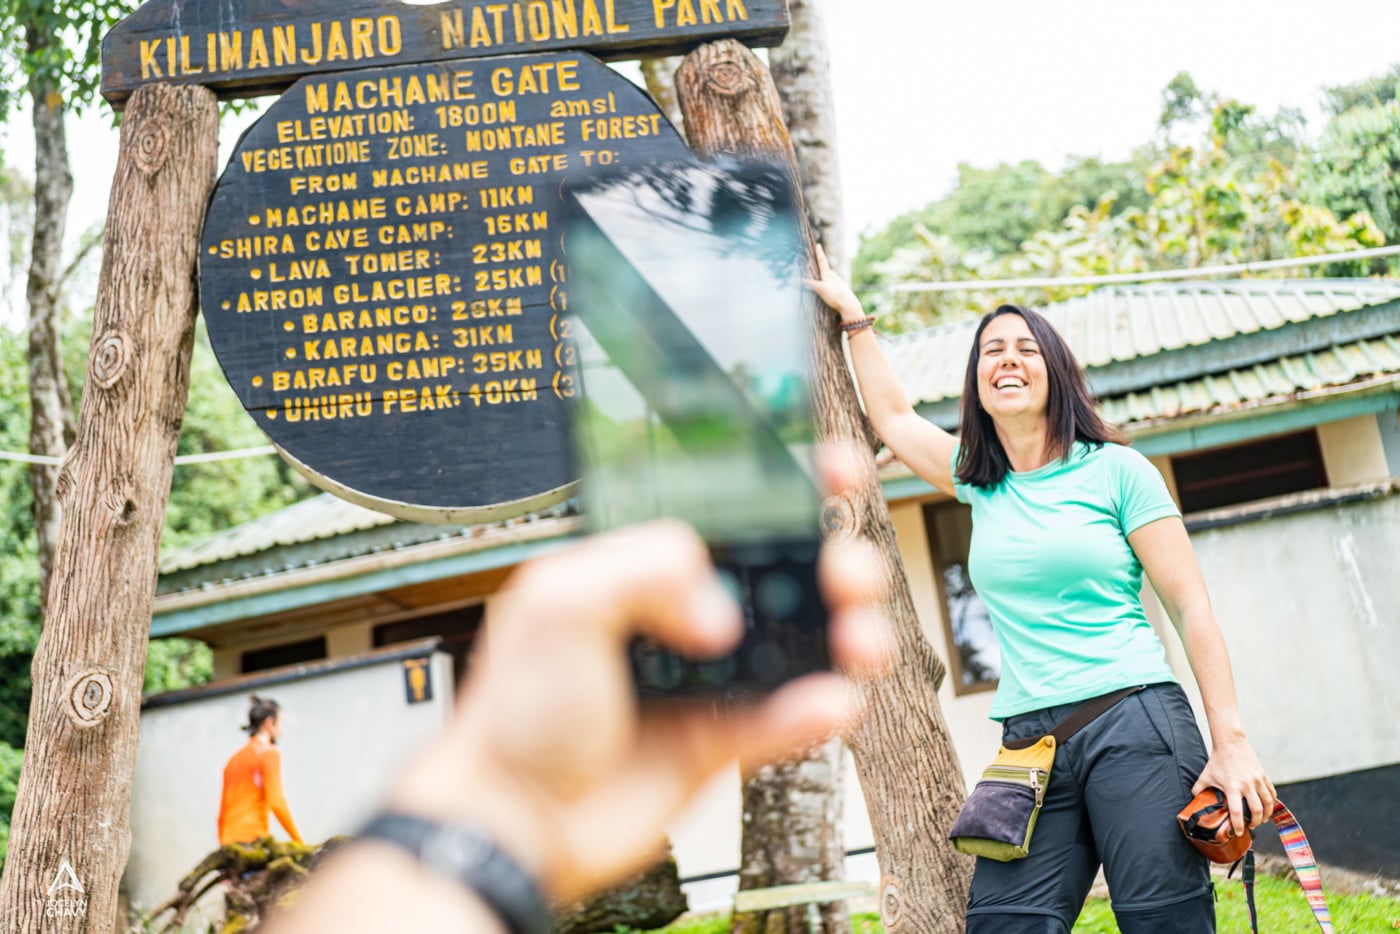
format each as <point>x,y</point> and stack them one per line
<point>1282,910</point>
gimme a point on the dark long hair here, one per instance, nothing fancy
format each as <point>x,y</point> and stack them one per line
<point>1069,406</point>
<point>260,710</point>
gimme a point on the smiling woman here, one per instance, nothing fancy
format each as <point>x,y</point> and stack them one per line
<point>1032,401</point>
<point>1065,520</point>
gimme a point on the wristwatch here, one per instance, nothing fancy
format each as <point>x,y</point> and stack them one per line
<point>464,853</point>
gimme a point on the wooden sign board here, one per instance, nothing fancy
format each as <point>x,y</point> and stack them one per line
<point>382,274</point>
<point>241,48</point>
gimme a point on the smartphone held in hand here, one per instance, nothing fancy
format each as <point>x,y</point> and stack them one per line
<point>692,356</point>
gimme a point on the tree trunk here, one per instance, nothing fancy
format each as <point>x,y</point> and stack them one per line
<point>659,74</point>
<point>50,405</point>
<point>792,834</point>
<point>801,71</point>
<point>70,832</point>
<point>793,828</point>
<point>908,767</point>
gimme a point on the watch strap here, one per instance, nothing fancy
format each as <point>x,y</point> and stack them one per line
<point>465,853</point>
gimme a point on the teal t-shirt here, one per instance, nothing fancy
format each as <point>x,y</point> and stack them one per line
<point>1051,561</point>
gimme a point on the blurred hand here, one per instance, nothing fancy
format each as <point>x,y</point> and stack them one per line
<point>549,750</point>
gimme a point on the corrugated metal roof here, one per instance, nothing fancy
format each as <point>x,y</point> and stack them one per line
<point>1311,372</point>
<point>320,517</point>
<point>1112,332</point>
<point>314,532</point>
<point>1126,323</point>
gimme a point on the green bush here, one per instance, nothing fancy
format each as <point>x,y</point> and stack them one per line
<point>10,761</point>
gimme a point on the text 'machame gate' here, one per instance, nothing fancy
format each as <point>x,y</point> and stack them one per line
<point>382,273</point>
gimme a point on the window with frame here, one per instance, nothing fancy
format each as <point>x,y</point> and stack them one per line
<point>280,656</point>
<point>456,628</point>
<point>1243,473</point>
<point>973,655</point>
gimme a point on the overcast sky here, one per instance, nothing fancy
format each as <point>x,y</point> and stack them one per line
<point>922,85</point>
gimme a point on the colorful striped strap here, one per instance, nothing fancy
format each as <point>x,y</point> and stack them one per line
<point>1300,854</point>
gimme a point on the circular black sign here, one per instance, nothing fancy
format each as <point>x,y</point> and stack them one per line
<point>383,282</point>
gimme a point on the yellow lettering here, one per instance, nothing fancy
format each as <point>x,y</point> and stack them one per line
<point>480,36</point>
<point>538,15</point>
<point>230,50</point>
<point>565,19</point>
<point>306,57</point>
<point>454,33</point>
<point>257,55</point>
<point>614,27</point>
<point>592,23</point>
<point>336,49</point>
<point>284,45</point>
<point>317,99</point>
<point>362,37</point>
<point>150,68</point>
<point>390,36</point>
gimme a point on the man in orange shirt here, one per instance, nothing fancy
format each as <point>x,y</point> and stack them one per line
<point>253,781</point>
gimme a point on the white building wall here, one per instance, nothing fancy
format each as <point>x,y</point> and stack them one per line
<point>1310,607</point>
<point>344,736</point>
<point>1308,602</point>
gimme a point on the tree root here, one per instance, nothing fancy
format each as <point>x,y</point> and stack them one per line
<point>258,876</point>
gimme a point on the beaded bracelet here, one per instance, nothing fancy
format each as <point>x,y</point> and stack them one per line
<point>851,327</point>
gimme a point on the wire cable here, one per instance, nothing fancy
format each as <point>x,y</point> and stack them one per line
<point>1163,275</point>
<point>180,461</point>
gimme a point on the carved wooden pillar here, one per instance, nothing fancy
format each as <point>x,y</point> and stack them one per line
<point>908,767</point>
<point>74,797</point>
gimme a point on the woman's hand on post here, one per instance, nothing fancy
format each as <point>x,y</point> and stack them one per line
<point>834,291</point>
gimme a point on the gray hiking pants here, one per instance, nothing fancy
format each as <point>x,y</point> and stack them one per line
<point>1115,790</point>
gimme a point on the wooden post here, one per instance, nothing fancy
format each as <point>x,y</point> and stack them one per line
<point>70,833</point>
<point>908,768</point>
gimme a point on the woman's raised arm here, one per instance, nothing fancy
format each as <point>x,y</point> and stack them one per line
<point>924,447</point>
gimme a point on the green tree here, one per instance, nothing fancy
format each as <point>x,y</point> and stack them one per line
<point>1217,186</point>
<point>210,497</point>
<point>19,580</point>
<point>1356,165</point>
<point>1368,92</point>
<point>49,53</point>
<point>975,231</point>
<point>10,761</point>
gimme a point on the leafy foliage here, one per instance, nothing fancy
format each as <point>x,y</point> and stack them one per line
<point>1218,186</point>
<point>204,498</point>
<point>16,208</point>
<point>210,497</point>
<point>1356,166</point>
<point>1368,92</point>
<point>172,664</point>
<point>54,43</point>
<point>10,761</point>
<point>19,576</point>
